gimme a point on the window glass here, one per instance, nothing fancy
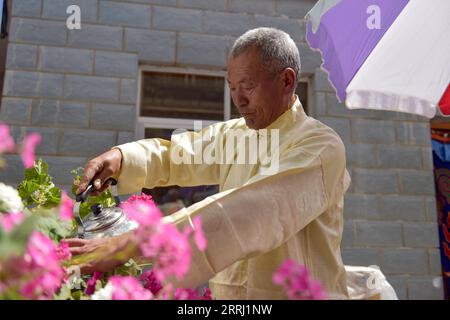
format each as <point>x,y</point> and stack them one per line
<point>185,96</point>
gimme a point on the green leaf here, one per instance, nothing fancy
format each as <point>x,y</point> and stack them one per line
<point>15,242</point>
<point>9,248</point>
<point>49,224</point>
<point>37,189</point>
<point>129,268</point>
<point>64,293</point>
<point>22,232</point>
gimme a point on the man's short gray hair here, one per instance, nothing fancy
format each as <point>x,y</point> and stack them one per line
<point>278,50</point>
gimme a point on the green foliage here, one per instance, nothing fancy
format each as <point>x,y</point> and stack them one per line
<point>105,199</point>
<point>37,189</point>
<point>41,198</point>
<point>14,243</point>
<point>49,223</point>
<point>75,288</point>
<point>130,268</point>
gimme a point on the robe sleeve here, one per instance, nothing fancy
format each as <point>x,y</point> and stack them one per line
<point>150,163</point>
<point>260,216</point>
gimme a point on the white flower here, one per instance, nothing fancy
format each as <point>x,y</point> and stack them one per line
<point>10,201</point>
<point>104,293</point>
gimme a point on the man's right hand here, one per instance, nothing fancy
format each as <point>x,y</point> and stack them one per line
<point>100,169</point>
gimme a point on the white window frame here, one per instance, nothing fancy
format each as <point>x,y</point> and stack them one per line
<point>307,80</point>
<point>143,123</point>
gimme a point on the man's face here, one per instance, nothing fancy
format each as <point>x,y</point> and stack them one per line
<point>258,94</point>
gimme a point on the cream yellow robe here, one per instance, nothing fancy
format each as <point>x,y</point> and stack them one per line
<point>256,221</point>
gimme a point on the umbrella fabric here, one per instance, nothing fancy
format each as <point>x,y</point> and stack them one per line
<point>403,66</point>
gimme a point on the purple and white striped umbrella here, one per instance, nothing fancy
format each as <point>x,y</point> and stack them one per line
<point>385,54</point>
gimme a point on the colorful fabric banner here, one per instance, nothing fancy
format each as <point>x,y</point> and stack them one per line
<point>442,184</point>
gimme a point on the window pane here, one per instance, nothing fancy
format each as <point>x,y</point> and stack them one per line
<point>158,133</point>
<point>183,96</point>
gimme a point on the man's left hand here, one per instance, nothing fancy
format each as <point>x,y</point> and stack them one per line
<point>103,254</point>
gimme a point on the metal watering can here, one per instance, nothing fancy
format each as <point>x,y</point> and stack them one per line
<point>101,222</point>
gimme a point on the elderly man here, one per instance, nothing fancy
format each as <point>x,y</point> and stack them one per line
<point>262,216</point>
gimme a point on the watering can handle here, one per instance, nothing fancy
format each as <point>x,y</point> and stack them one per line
<point>82,197</point>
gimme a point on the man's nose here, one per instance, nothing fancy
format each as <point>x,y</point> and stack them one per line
<point>240,100</point>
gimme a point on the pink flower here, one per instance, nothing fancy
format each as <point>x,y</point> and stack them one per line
<point>6,141</point>
<point>170,250</point>
<point>284,271</point>
<point>92,282</point>
<point>40,267</point>
<point>43,286</point>
<point>190,294</point>
<point>150,282</point>
<point>163,243</point>
<point>199,237</point>
<point>29,146</point>
<point>296,282</point>
<point>29,279</point>
<point>128,288</point>
<point>41,250</point>
<point>142,210</point>
<point>9,220</point>
<point>143,197</point>
<point>207,295</point>
<point>166,292</point>
<point>66,207</point>
<point>62,251</point>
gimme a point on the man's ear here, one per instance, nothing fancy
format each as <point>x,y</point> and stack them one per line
<point>289,79</point>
